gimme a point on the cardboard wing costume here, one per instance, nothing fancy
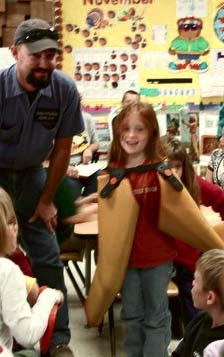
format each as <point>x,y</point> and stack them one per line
<point>179,217</point>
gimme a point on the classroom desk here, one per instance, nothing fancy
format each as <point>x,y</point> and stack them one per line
<point>88,231</point>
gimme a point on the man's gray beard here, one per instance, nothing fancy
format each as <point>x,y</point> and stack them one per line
<point>38,83</point>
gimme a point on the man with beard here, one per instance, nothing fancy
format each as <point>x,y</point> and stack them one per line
<point>39,114</point>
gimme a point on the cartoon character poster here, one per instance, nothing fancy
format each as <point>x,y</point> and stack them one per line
<point>173,124</point>
<point>189,46</point>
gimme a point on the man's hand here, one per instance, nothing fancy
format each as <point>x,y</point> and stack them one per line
<point>48,213</point>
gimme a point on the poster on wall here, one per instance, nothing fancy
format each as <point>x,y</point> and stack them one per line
<point>173,124</point>
<point>173,46</point>
<point>99,72</point>
<point>104,41</point>
<point>211,83</point>
<point>189,131</point>
<point>191,7</point>
<point>208,132</point>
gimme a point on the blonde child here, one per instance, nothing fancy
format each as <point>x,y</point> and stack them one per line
<point>17,319</point>
<point>208,296</point>
<point>144,293</point>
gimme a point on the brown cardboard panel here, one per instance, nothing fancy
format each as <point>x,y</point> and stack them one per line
<point>13,20</point>
<point>2,22</point>
<point>7,38</point>
<point>2,19</point>
<point>2,5</point>
<point>42,9</point>
<point>18,8</point>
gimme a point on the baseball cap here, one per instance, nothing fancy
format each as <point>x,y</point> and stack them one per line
<point>37,35</point>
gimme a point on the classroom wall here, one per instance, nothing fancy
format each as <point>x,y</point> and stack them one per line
<point>114,45</point>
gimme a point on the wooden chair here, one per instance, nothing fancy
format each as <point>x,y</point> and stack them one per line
<point>74,257</point>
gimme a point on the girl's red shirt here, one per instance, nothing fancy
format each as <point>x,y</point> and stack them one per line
<point>151,247</point>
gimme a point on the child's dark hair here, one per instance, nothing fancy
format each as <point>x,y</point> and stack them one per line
<point>147,114</point>
<point>192,119</point>
<point>130,91</point>
<point>176,151</point>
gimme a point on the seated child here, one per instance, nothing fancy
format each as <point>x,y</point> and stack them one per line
<point>70,210</point>
<point>76,212</point>
<point>22,260</point>
<point>208,296</point>
<point>17,319</point>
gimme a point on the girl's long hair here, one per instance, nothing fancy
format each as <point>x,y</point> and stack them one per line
<point>176,151</point>
<point>147,114</point>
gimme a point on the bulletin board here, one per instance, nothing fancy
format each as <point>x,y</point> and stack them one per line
<point>111,46</point>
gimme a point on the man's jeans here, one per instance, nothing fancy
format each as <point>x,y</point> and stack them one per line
<point>145,311</point>
<point>25,188</point>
